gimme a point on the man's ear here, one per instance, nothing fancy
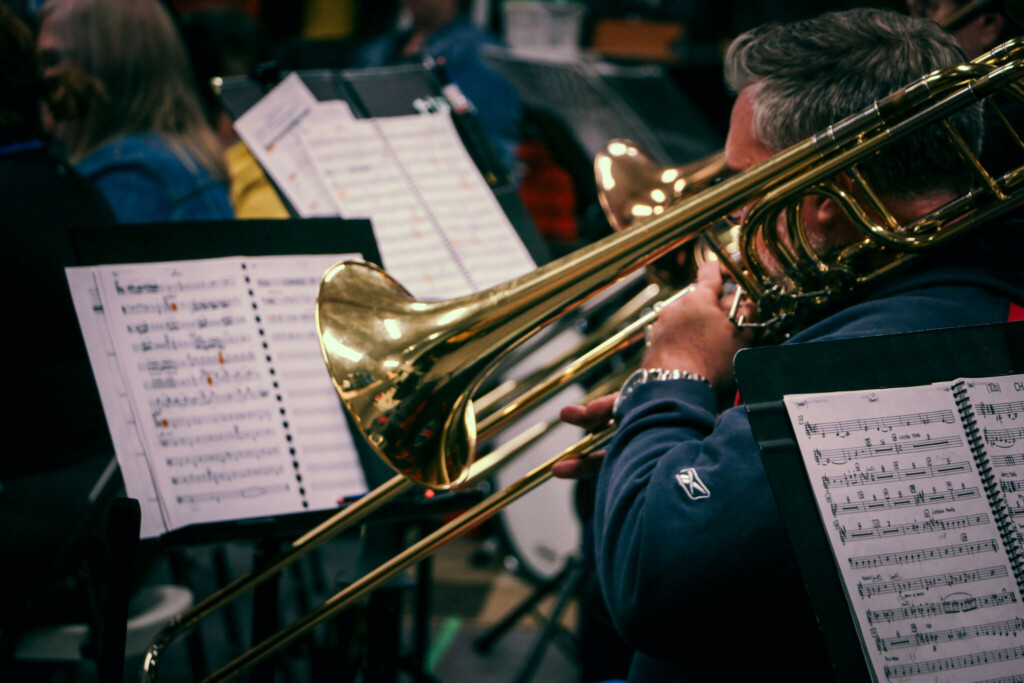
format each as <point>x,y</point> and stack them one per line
<point>827,211</point>
<point>990,27</point>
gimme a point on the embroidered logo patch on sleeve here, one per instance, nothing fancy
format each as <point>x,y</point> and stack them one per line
<point>692,484</point>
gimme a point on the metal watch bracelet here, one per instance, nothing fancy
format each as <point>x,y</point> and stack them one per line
<point>645,375</point>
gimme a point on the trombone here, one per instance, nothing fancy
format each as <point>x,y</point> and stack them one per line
<point>407,370</point>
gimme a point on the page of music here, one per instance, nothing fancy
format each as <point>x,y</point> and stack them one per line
<point>214,387</point>
<point>904,502</point>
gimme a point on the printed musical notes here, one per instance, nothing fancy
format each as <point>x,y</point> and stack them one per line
<point>926,571</point>
<point>440,229</point>
<point>225,397</point>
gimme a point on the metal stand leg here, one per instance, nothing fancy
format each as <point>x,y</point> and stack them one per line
<point>485,641</point>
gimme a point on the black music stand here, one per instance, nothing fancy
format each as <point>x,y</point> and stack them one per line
<point>766,375</point>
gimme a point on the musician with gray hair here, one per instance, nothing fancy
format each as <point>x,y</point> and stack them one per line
<point>691,553</point>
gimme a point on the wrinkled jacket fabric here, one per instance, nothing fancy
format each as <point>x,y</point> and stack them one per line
<point>144,181</point>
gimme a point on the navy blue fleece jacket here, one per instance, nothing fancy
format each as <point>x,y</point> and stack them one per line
<point>683,576</point>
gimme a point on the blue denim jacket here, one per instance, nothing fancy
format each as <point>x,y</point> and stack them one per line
<point>144,181</point>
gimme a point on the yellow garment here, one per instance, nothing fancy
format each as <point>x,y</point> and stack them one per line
<point>252,195</point>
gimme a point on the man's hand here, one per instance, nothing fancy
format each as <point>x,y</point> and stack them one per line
<point>695,334</point>
<point>592,417</point>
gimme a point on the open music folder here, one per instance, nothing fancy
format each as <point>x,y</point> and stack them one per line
<point>897,464</point>
<point>920,492</point>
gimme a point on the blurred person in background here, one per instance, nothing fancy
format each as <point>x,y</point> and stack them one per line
<point>138,134</point>
<point>57,443</point>
<point>439,30</point>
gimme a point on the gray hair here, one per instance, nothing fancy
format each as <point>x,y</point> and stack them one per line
<point>813,73</point>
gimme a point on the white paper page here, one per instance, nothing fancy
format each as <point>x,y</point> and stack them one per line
<point>902,503</point>
<point>286,289</point>
<point>429,149</point>
<point>201,389</point>
<point>269,130</point>
<point>366,182</point>
<point>124,431</point>
<point>999,412</point>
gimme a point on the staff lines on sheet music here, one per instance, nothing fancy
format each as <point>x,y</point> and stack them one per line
<point>267,282</point>
<point>222,457</point>
<point>871,588</point>
<point>191,361</point>
<point>925,527</point>
<point>171,325</point>
<point>958,662</point>
<point>432,218</point>
<point>204,398</point>
<point>169,305</point>
<point>217,477</point>
<point>994,628</point>
<point>998,437</point>
<point>902,501</point>
<point>236,434</point>
<point>932,609</point>
<point>1011,485</point>
<point>192,341</point>
<point>839,456</point>
<point>1007,408</point>
<point>207,379</point>
<point>197,420</point>
<point>923,554</point>
<point>150,288</point>
<point>248,492</point>
<point>866,424</point>
<point>1019,678</point>
<point>1010,460</point>
<point>872,476</point>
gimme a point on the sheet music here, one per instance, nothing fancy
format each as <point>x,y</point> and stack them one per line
<point>444,175</point>
<point>999,413</point>
<point>217,358</point>
<point>918,547</point>
<point>124,431</point>
<point>440,230</point>
<point>270,130</point>
<point>366,181</point>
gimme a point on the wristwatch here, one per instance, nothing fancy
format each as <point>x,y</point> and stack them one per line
<point>645,375</point>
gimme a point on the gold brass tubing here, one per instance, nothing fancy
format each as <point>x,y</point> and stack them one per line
<point>628,335</point>
<point>969,158</point>
<point>355,512</point>
<point>479,513</point>
<point>873,198</point>
<point>513,389</point>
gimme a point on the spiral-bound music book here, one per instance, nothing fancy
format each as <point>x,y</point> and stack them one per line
<point>921,494</point>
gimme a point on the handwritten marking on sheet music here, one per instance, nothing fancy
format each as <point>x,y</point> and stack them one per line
<point>914,537</point>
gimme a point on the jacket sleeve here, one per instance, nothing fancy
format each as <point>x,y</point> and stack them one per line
<point>684,518</point>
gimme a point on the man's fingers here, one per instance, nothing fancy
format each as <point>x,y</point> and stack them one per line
<point>578,468</point>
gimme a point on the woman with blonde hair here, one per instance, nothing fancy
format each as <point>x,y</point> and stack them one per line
<point>137,131</point>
